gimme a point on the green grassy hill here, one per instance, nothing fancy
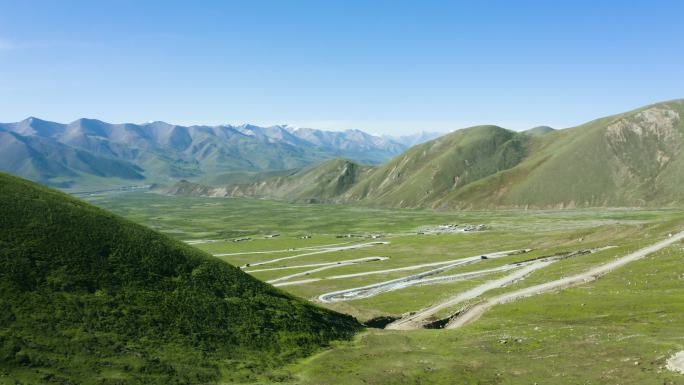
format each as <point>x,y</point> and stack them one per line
<point>87,297</point>
<point>325,182</point>
<point>416,178</point>
<point>632,159</point>
<point>426,172</point>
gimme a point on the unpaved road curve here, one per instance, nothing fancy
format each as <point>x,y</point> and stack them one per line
<point>458,262</point>
<point>327,266</point>
<point>461,261</point>
<point>405,282</point>
<point>379,258</point>
<point>399,283</point>
<point>322,251</point>
<point>475,312</point>
<point>320,247</point>
<point>417,320</point>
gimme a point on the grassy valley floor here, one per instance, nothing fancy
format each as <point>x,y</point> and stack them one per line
<point>620,329</point>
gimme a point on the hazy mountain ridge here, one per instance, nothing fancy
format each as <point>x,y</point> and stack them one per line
<point>42,158</point>
<point>163,152</point>
<point>414,139</point>
<point>629,159</point>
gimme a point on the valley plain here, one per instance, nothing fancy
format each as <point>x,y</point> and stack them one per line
<point>621,328</point>
<point>341,192</point>
<point>484,256</point>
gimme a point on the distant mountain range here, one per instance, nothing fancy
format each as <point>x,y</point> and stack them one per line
<point>93,152</point>
<point>630,159</point>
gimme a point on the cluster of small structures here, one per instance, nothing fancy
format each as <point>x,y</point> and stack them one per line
<point>426,230</point>
<point>269,236</point>
<point>448,228</point>
<point>451,228</point>
<point>274,235</point>
<point>346,236</point>
<point>118,189</point>
<point>369,235</point>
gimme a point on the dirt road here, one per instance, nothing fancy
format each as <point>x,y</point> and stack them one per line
<point>475,312</point>
<point>379,258</point>
<point>418,319</point>
<point>399,283</point>
<point>452,263</point>
<point>327,266</point>
<point>319,247</point>
<point>321,251</point>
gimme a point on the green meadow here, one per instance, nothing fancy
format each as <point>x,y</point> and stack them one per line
<point>619,329</point>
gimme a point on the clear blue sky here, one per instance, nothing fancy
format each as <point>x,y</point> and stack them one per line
<point>382,66</point>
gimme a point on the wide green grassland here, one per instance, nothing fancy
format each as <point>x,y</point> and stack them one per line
<point>620,329</point>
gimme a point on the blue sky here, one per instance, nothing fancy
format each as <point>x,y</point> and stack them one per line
<point>382,66</point>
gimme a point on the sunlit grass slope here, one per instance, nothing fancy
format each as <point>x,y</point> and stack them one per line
<point>89,297</point>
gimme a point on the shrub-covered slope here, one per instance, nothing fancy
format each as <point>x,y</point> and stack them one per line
<point>87,297</point>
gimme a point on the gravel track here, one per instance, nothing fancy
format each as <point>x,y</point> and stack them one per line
<point>328,266</point>
<point>474,313</point>
<point>399,283</point>
<point>418,319</point>
<point>322,251</point>
<point>379,258</point>
<point>320,247</point>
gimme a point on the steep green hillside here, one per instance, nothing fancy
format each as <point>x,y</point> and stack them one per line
<point>426,172</point>
<point>631,159</point>
<point>87,297</point>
